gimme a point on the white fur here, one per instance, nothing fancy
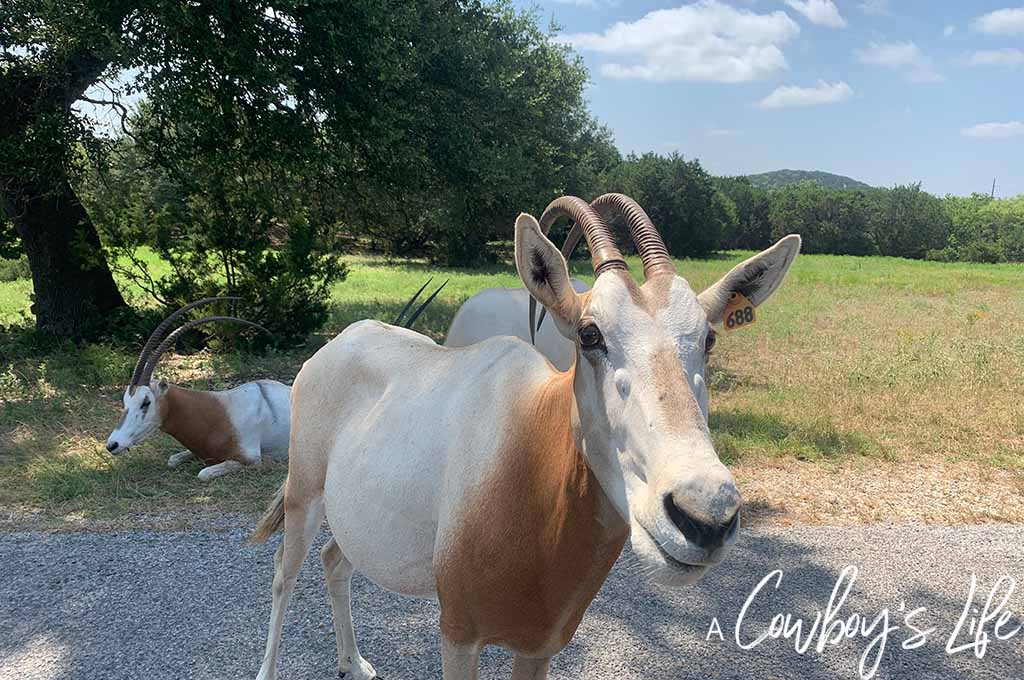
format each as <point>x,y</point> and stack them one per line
<point>505,311</point>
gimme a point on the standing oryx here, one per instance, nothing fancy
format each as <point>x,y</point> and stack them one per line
<point>483,477</point>
<point>226,430</point>
<point>510,311</point>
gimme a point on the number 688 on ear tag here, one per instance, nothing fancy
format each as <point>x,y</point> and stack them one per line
<point>739,312</point>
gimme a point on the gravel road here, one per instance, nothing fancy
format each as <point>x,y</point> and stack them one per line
<point>194,604</point>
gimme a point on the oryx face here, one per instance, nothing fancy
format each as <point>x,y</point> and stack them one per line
<point>642,402</point>
<point>140,417</point>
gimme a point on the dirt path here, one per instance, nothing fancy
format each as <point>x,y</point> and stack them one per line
<point>789,492</point>
<point>194,604</point>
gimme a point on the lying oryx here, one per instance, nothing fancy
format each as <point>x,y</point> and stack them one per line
<point>483,477</point>
<point>510,311</point>
<point>226,430</point>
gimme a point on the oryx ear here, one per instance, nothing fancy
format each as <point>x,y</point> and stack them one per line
<point>161,387</point>
<point>756,278</point>
<point>544,272</point>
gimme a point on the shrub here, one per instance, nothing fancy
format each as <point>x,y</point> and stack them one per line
<point>12,270</point>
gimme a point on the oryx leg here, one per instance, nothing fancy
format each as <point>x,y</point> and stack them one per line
<point>179,458</point>
<point>301,525</point>
<point>219,470</point>
<point>530,669</point>
<point>338,574</point>
<point>459,662</point>
<point>247,455</point>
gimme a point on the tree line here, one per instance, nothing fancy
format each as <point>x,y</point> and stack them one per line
<point>272,137</point>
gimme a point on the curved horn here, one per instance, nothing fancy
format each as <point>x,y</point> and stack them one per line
<point>169,340</point>
<point>646,238</point>
<point>604,254</point>
<point>157,334</point>
<point>648,242</point>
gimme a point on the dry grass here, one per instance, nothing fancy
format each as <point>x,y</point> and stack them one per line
<point>871,389</point>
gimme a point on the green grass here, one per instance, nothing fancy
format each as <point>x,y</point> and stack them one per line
<point>854,359</point>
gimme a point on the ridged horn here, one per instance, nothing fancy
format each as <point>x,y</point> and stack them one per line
<point>158,333</point>
<point>648,242</point>
<point>172,337</point>
<point>604,254</point>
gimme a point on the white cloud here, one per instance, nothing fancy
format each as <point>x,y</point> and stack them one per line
<point>1009,57</point>
<point>578,3</point>
<point>948,31</point>
<point>1009,21</point>
<point>875,7</point>
<point>822,12</point>
<point>905,57</point>
<point>1014,128</point>
<point>822,93</point>
<point>706,41</point>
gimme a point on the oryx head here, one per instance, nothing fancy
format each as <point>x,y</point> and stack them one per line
<point>144,407</point>
<point>140,417</point>
<point>639,379</point>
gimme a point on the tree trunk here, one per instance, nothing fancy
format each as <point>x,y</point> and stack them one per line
<point>74,288</point>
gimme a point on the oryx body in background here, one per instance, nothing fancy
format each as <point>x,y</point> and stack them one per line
<point>226,430</point>
<point>505,311</point>
<point>485,478</point>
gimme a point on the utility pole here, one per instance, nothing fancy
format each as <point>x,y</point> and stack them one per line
<point>993,187</point>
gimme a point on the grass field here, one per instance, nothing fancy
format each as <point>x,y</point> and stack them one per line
<point>855,362</point>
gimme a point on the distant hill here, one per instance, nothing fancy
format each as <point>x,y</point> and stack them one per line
<point>783,178</point>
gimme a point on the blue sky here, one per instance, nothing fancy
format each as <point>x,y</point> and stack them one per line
<point>883,91</point>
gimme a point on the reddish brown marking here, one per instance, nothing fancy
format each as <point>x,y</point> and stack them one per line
<point>537,539</point>
<point>675,398</point>
<point>199,421</point>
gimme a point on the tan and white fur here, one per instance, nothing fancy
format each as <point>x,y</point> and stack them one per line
<point>226,430</point>
<point>484,478</point>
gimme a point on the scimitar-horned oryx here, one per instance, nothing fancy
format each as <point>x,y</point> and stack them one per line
<point>511,311</point>
<point>226,430</point>
<point>483,477</point>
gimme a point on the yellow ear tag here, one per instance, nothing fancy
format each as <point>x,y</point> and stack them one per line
<point>739,312</point>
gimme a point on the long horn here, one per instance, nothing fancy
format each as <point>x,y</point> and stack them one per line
<point>401,314</point>
<point>604,255</point>
<point>646,238</point>
<point>648,242</point>
<point>158,333</point>
<point>172,337</point>
<point>426,303</point>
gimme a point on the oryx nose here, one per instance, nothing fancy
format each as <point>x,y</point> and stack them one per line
<point>703,527</point>
<point>111,445</point>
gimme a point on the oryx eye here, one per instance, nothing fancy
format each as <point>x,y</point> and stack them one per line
<point>709,342</point>
<point>145,404</point>
<point>590,336</point>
